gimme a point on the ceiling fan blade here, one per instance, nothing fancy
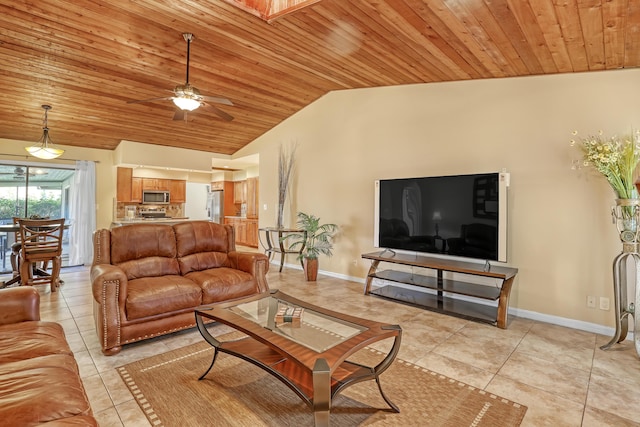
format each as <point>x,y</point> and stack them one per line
<point>224,116</point>
<point>180,115</point>
<point>217,100</point>
<point>150,100</point>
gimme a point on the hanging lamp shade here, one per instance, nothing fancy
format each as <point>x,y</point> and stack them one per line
<point>186,103</point>
<point>44,148</point>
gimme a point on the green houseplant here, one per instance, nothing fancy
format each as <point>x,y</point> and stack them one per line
<point>311,239</point>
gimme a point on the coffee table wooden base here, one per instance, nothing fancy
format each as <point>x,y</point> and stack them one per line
<point>317,388</point>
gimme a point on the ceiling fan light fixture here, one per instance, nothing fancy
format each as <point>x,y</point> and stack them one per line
<point>44,149</point>
<point>186,103</point>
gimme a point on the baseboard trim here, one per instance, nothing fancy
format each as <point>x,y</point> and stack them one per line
<point>518,312</point>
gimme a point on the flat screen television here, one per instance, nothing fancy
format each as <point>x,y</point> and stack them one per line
<point>458,216</point>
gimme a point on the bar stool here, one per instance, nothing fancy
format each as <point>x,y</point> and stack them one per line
<point>41,242</point>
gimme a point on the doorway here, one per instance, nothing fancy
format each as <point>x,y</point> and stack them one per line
<point>29,190</point>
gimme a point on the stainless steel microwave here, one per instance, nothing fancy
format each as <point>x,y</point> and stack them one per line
<point>153,197</point>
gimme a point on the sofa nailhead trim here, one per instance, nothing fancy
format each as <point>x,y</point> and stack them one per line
<point>158,334</point>
<point>104,313</point>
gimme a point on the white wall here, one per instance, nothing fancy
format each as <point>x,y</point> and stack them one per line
<point>560,232</point>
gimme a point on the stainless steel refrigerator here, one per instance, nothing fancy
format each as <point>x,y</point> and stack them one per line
<point>215,206</point>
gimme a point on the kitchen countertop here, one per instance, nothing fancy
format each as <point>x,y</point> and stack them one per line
<point>174,220</point>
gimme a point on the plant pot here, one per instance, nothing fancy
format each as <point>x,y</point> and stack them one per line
<point>311,269</point>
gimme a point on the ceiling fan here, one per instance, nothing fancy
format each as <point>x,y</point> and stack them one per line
<point>187,97</point>
<point>21,173</point>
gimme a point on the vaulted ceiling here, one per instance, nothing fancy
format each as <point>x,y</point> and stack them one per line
<point>87,59</point>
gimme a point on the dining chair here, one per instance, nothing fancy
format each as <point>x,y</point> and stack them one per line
<point>16,246</point>
<point>41,241</point>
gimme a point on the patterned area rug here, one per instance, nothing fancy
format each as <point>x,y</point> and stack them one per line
<point>237,393</point>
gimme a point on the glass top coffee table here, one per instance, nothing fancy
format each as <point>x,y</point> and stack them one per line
<point>307,353</point>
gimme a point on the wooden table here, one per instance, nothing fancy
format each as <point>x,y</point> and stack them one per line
<point>273,243</point>
<point>311,359</point>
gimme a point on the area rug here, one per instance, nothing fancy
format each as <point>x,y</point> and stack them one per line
<point>237,393</point>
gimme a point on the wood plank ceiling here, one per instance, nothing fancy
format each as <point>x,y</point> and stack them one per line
<point>87,58</point>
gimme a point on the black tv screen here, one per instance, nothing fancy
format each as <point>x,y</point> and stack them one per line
<point>461,215</point>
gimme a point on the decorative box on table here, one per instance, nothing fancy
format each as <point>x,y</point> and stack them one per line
<point>292,315</point>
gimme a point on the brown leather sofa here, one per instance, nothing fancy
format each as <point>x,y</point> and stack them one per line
<point>39,380</point>
<point>148,278</point>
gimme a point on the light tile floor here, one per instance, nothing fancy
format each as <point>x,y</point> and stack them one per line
<point>559,373</point>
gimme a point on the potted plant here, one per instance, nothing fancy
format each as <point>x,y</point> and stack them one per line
<point>311,239</point>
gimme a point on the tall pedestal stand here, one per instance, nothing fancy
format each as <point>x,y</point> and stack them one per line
<point>626,271</point>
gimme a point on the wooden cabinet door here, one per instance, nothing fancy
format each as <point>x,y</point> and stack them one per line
<point>252,233</point>
<point>178,190</point>
<point>241,236</point>
<point>136,190</point>
<point>123,184</point>
<point>233,222</point>
<point>155,184</point>
<point>217,185</point>
<point>239,192</point>
<point>149,184</point>
<point>252,198</point>
<point>162,184</point>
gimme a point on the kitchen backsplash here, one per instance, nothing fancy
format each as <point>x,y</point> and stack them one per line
<point>173,210</point>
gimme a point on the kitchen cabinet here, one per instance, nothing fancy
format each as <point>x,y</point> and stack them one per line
<point>155,184</point>
<point>241,232</point>
<point>252,232</point>
<point>129,189</point>
<point>178,190</point>
<point>136,190</point>
<point>240,192</point>
<point>123,184</point>
<point>246,231</point>
<point>252,198</point>
<point>217,185</point>
<point>239,229</point>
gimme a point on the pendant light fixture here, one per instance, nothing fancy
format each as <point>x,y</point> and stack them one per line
<point>44,149</point>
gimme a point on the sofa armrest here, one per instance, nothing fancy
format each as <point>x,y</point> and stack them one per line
<point>254,263</point>
<point>109,287</point>
<point>19,305</point>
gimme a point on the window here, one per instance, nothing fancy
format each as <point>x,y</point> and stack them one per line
<point>30,190</point>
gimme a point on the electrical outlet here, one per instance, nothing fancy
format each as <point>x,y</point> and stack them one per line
<point>604,303</point>
<point>591,301</point>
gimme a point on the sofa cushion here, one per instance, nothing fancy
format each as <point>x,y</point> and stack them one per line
<point>40,390</point>
<point>201,245</point>
<point>222,284</point>
<point>150,267</point>
<point>153,253</point>
<point>202,236</point>
<point>160,295</point>
<point>65,361</point>
<point>202,261</point>
<point>31,339</point>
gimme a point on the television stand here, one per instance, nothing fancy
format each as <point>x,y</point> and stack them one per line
<point>437,293</point>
